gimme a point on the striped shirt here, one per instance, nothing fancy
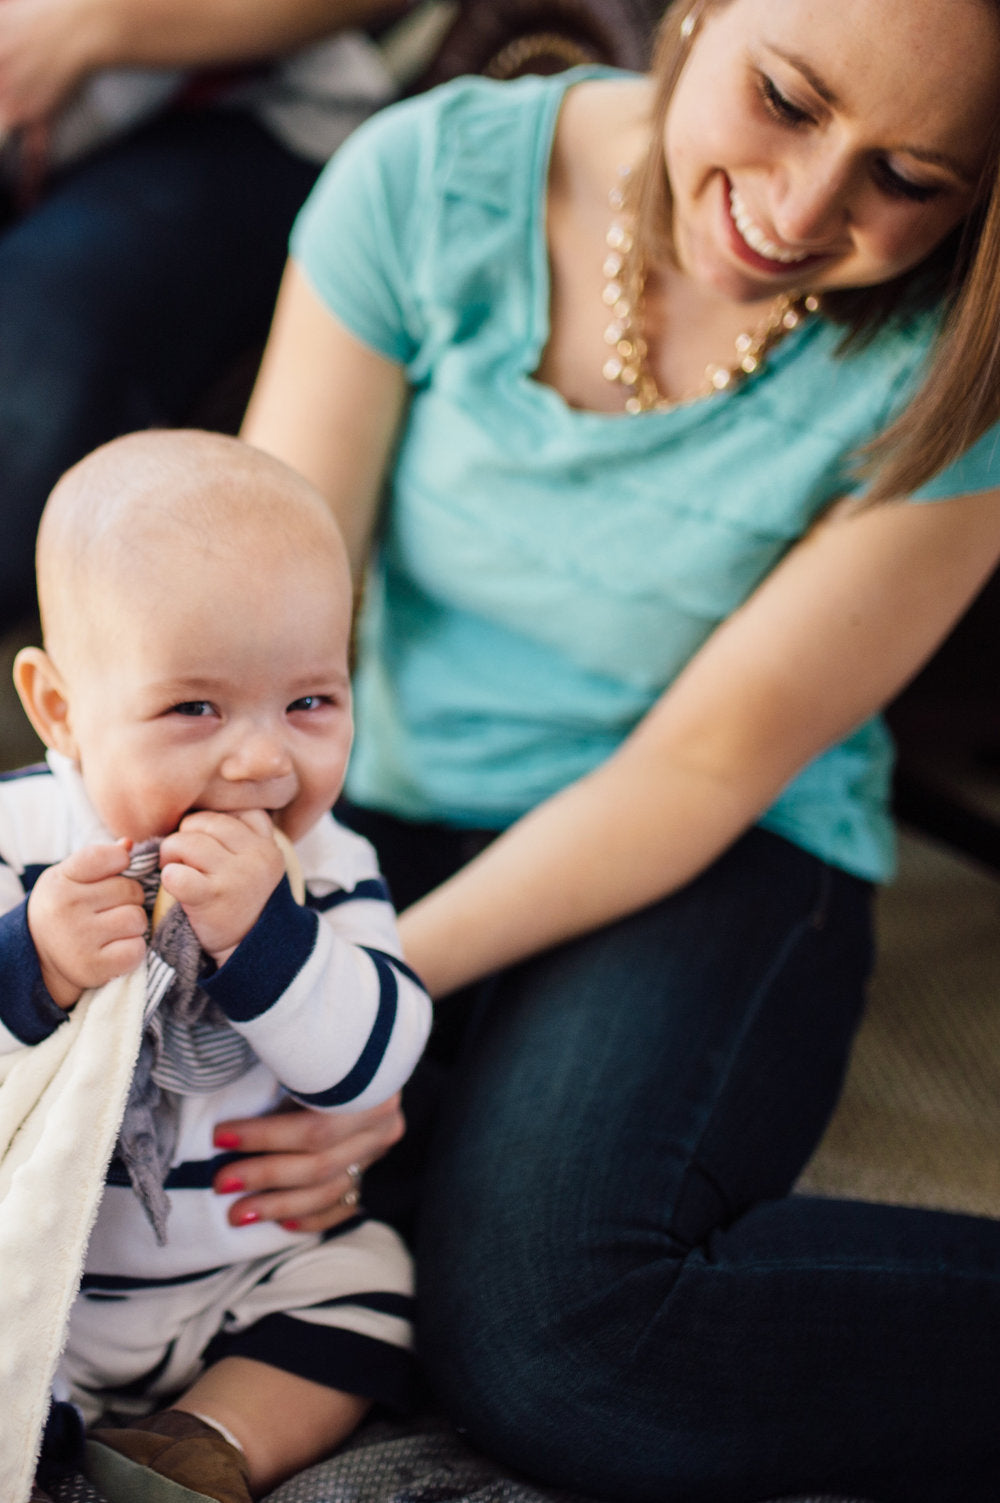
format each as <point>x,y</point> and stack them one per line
<point>333,1015</point>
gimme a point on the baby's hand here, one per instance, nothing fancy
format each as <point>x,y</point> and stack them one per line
<point>86,921</point>
<point>222,868</point>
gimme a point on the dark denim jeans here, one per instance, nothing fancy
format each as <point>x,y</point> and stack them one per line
<point>141,275</point>
<point>617,1293</point>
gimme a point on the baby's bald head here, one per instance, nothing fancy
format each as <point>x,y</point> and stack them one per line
<point>196,604</point>
<point>128,525</point>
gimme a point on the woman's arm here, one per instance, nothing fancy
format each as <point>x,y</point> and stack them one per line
<point>193,32</point>
<point>47,47</point>
<point>330,407</point>
<point>833,634</point>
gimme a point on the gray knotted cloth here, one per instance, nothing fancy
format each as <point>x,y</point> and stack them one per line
<point>188,1047</point>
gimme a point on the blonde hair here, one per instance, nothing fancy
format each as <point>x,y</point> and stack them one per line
<point>960,396</point>
<point>118,513</point>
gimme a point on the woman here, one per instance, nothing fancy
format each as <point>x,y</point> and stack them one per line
<point>655,550</point>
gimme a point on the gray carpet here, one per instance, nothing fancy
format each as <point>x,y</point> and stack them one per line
<point>422,1463</point>
<point>919,1119</point>
<point>426,1463</point>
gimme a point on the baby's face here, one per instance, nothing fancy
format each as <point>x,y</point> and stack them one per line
<point>224,687</point>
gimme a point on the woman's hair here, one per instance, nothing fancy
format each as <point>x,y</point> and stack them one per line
<point>960,396</point>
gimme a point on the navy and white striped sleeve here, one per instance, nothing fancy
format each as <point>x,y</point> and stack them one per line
<point>27,1012</point>
<point>321,992</point>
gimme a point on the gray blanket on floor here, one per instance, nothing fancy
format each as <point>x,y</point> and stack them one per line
<point>421,1461</point>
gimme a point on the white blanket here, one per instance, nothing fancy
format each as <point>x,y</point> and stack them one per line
<point>61,1104</point>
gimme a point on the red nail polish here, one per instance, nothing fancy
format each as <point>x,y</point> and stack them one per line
<point>292,1226</point>
<point>246,1218</point>
<point>226,1139</point>
<point>231,1186</point>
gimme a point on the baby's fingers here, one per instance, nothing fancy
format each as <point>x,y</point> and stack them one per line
<point>233,826</point>
<point>124,920</point>
<point>204,851</point>
<point>118,957</point>
<point>234,832</point>
<point>93,863</point>
<point>120,895</point>
<point>190,886</point>
<point>116,937</point>
<point>62,906</point>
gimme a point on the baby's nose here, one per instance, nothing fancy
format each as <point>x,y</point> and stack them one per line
<point>259,756</point>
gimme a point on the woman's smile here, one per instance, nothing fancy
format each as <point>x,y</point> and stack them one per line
<point>754,239</point>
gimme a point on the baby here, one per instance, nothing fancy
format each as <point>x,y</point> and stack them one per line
<point>193,690</point>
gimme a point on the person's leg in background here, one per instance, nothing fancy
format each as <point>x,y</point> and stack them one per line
<point>145,271</point>
<point>616,1294</point>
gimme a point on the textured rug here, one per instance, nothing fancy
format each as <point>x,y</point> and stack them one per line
<point>424,1462</point>
<point>428,1463</point>
<point>919,1119</point>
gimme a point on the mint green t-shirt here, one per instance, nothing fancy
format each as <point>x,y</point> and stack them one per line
<point>544,573</point>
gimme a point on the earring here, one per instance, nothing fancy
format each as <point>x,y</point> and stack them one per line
<point>689,25</point>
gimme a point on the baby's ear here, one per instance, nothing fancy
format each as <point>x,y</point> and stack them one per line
<point>43,695</point>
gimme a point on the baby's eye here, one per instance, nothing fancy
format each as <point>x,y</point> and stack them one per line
<point>193,707</point>
<point>309,702</point>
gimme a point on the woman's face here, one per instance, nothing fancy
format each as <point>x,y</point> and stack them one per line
<point>815,145</point>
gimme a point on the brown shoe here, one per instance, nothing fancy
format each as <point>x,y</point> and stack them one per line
<point>171,1457</point>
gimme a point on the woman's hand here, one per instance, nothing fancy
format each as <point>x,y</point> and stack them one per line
<point>47,48</point>
<point>300,1176</point>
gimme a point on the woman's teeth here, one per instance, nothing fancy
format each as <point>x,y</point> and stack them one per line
<point>755,237</point>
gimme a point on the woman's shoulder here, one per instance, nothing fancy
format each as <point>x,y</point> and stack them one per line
<point>400,236</point>
<point>471,125</point>
<point>476,96</point>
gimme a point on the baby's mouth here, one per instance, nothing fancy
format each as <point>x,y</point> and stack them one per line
<point>272,811</point>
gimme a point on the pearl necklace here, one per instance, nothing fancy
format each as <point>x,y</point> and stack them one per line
<point>625,279</point>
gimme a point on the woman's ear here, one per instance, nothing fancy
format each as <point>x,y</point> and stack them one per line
<point>43,695</point>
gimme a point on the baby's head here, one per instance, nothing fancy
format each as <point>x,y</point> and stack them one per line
<point>196,612</point>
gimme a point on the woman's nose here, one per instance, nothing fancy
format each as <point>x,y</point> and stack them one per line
<point>812,208</point>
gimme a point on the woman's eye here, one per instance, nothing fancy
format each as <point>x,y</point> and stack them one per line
<point>897,186</point>
<point>779,106</point>
<point>193,707</point>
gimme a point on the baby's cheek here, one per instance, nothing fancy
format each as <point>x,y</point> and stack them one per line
<point>121,809</point>
<point>298,818</point>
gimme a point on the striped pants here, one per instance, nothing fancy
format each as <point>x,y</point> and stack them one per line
<point>334,1309</point>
